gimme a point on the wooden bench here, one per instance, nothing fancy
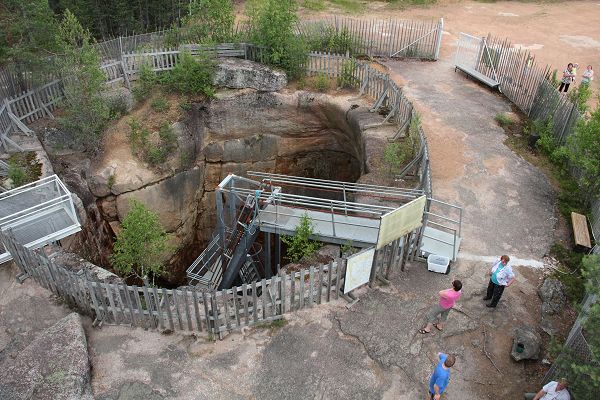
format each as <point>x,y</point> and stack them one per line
<point>580,230</point>
<point>478,75</point>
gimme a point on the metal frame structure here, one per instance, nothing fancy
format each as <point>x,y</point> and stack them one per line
<point>38,213</point>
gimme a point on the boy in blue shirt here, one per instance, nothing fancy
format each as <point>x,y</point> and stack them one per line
<point>441,375</point>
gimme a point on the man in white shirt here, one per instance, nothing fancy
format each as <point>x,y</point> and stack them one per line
<point>551,391</point>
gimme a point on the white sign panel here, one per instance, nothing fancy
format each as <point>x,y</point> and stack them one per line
<point>358,269</point>
<point>401,221</point>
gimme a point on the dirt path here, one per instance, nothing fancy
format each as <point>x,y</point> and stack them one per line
<point>508,203</point>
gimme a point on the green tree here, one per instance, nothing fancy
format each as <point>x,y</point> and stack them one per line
<point>272,24</point>
<point>86,111</point>
<point>142,243</point>
<point>27,37</point>
<point>300,245</point>
<point>209,21</point>
<point>583,153</point>
<point>584,374</point>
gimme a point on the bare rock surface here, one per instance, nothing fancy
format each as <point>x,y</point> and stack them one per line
<point>242,74</point>
<point>54,366</point>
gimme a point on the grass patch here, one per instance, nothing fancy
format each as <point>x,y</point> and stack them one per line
<point>408,3</point>
<point>322,83</point>
<point>152,147</point>
<point>159,104</point>
<point>349,6</point>
<point>314,5</point>
<point>503,120</point>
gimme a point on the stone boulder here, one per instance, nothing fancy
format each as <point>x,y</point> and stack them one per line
<point>552,293</point>
<point>526,344</point>
<point>244,74</point>
<point>54,366</point>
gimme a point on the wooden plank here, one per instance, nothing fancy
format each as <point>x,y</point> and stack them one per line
<point>254,303</point>
<point>140,309</point>
<point>234,296</point>
<point>330,267</point>
<point>283,292</point>
<point>176,310</point>
<point>225,297</point>
<point>94,301</point>
<point>205,300</point>
<point>111,302</point>
<point>150,307</point>
<point>301,289</point>
<point>167,303</point>
<point>264,297</point>
<point>338,279</point>
<point>196,309</point>
<point>186,306</point>
<point>157,305</point>
<point>320,284</point>
<point>311,284</point>
<point>293,292</point>
<point>580,230</point>
<point>245,303</point>
<point>215,311</point>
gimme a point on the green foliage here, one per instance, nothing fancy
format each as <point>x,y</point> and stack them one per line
<point>154,150</point>
<point>406,3</point>
<point>145,83</point>
<point>112,179</point>
<point>580,96</point>
<point>582,151</point>
<point>322,82</point>
<point>86,112</point>
<point>572,278</point>
<point>394,157</point>
<point>117,107</point>
<point>17,174</point>
<point>300,245</point>
<point>142,243</point>
<point>584,375</point>
<point>396,154</point>
<point>272,24</point>
<point>185,103</point>
<point>503,120</point>
<point>191,76</point>
<point>333,40</point>
<point>348,249</point>
<point>28,31</point>
<point>347,79</point>
<point>159,104</point>
<point>208,21</point>
<point>314,5</point>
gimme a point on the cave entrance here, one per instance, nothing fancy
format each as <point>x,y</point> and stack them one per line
<point>269,205</point>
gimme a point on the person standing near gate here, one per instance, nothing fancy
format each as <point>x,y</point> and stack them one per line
<point>502,276</point>
<point>441,310</point>
<point>441,375</point>
<point>588,76</point>
<point>567,78</point>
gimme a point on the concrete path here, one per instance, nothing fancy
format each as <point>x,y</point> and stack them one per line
<point>508,203</point>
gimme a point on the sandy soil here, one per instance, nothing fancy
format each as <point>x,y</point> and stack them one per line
<point>556,33</point>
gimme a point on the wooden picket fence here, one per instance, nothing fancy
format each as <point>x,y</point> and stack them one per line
<point>186,308</point>
<point>379,38</point>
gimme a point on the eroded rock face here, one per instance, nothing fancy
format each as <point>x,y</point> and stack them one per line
<point>55,366</point>
<point>245,74</point>
<point>297,133</point>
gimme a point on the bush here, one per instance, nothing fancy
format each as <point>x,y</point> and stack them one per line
<point>322,83</point>
<point>141,244</point>
<point>394,157</point>
<point>159,104</point>
<point>272,24</point>
<point>208,21</point>
<point>17,174</point>
<point>347,79</point>
<point>146,80</point>
<point>191,76</point>
<point>300,245</point>
<point>117,107</point>
<point>138,136</point>
<point>333,40</point>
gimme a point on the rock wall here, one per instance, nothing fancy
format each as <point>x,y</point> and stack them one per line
<point>296,133</point>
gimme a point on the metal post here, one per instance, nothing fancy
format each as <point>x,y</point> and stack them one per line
<point>332,219</point>
<point>344,192</point>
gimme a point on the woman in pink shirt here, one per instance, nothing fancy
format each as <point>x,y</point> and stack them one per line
<point>440,311</point>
